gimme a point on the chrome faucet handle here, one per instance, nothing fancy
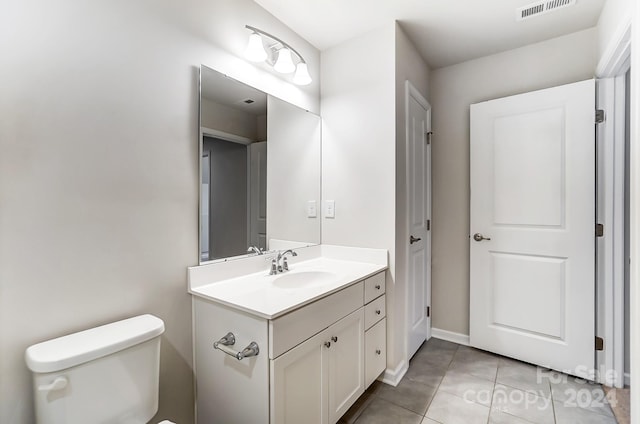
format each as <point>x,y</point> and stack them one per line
<point>285,265</point>
<point>274,267</point>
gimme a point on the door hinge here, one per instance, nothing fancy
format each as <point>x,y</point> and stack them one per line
<point>599,343</point>
<point>599,116</point>
<point>428,311</point>
<point>599,230</point>
<point>428,225</point>
<point>429,135</point>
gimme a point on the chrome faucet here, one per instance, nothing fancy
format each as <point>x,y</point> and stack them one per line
<point>279,262</point>
<point>256,250</point>
<point>284,266</point>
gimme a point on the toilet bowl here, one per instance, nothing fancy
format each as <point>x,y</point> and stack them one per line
<point>107,374</point>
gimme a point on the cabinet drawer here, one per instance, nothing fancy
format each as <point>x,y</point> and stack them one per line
<point>375,352</point>
<point>374,286</point>
<point>297,326</point>
<point>375,311</point>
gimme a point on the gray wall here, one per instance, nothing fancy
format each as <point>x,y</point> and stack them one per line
<point>554,62</point>
<point>363,166</point>
<point>99,169</point>
<point>358,155</point>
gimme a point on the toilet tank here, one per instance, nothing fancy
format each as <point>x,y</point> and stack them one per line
<point>108,374</point>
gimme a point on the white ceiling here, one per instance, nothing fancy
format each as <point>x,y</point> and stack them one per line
<point>445,32</point>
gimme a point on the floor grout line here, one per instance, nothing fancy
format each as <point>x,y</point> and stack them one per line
<point>553,406</point>
<point>495,381</point>
<point>440,384</point>
<point>445,367</point>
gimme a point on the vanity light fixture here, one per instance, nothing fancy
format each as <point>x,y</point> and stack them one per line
<point>264,47</point>
<point>255,51</point>
<point>284,64</point>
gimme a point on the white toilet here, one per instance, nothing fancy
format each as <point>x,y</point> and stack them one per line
<point>108,374</point>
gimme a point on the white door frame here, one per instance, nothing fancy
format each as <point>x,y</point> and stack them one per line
<point>635,215</point>
<point>412,91</point>
<point>611,164</point>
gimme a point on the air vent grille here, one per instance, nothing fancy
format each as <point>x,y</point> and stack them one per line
<point>541,8</point>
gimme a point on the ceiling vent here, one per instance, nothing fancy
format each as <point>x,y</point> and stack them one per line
<point>541,8</point>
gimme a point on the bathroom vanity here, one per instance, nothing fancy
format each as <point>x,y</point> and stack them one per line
<point>319,331</point>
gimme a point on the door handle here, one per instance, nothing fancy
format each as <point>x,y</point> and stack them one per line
<point>480,237</point>
<point>412,239</point>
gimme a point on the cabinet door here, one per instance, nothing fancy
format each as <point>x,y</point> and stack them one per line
<point>299,386</point>
<point>346,363</point>
<point>375,356</point>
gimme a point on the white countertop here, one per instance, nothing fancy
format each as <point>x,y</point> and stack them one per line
<point>270,296</point>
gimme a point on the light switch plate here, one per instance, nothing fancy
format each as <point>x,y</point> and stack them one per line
<point>312,211</point>
<point>330,209</point>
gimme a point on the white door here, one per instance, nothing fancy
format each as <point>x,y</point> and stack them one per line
<point>532,227</point>
<point>419,216</point>
<point>258,194</point>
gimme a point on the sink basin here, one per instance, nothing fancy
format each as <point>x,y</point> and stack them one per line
<point>304,279</point>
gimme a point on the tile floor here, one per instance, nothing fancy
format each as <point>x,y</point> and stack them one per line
<point>622,409</point>
<point>448,384</point>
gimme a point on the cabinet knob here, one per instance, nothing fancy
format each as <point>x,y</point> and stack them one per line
<point>334,339</point>
<point>378,352</point>
<point>377,311</point>
<point>377,286</point>
<point>327,344</point>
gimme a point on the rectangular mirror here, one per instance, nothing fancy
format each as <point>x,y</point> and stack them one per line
<point>260,170</point>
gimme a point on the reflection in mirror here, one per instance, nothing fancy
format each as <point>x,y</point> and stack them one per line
<point>293,174</point>
<point>260,163</point>
<point>233,190</point>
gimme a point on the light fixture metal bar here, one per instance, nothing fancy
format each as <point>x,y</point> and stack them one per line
<point>273,37</point>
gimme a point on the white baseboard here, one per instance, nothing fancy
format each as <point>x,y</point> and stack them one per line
<point>450,336</point>
<point>627,379</point>
<point>393,377</point>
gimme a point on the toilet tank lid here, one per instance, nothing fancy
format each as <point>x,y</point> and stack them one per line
<point>84,346</point>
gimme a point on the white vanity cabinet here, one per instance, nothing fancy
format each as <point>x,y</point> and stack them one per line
<point>318,380</point>
<point>314,361</point>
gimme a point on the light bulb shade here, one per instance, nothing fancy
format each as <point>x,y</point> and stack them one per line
<point>284,64</point>
<point>302,77</point>
<point>255,50</point>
